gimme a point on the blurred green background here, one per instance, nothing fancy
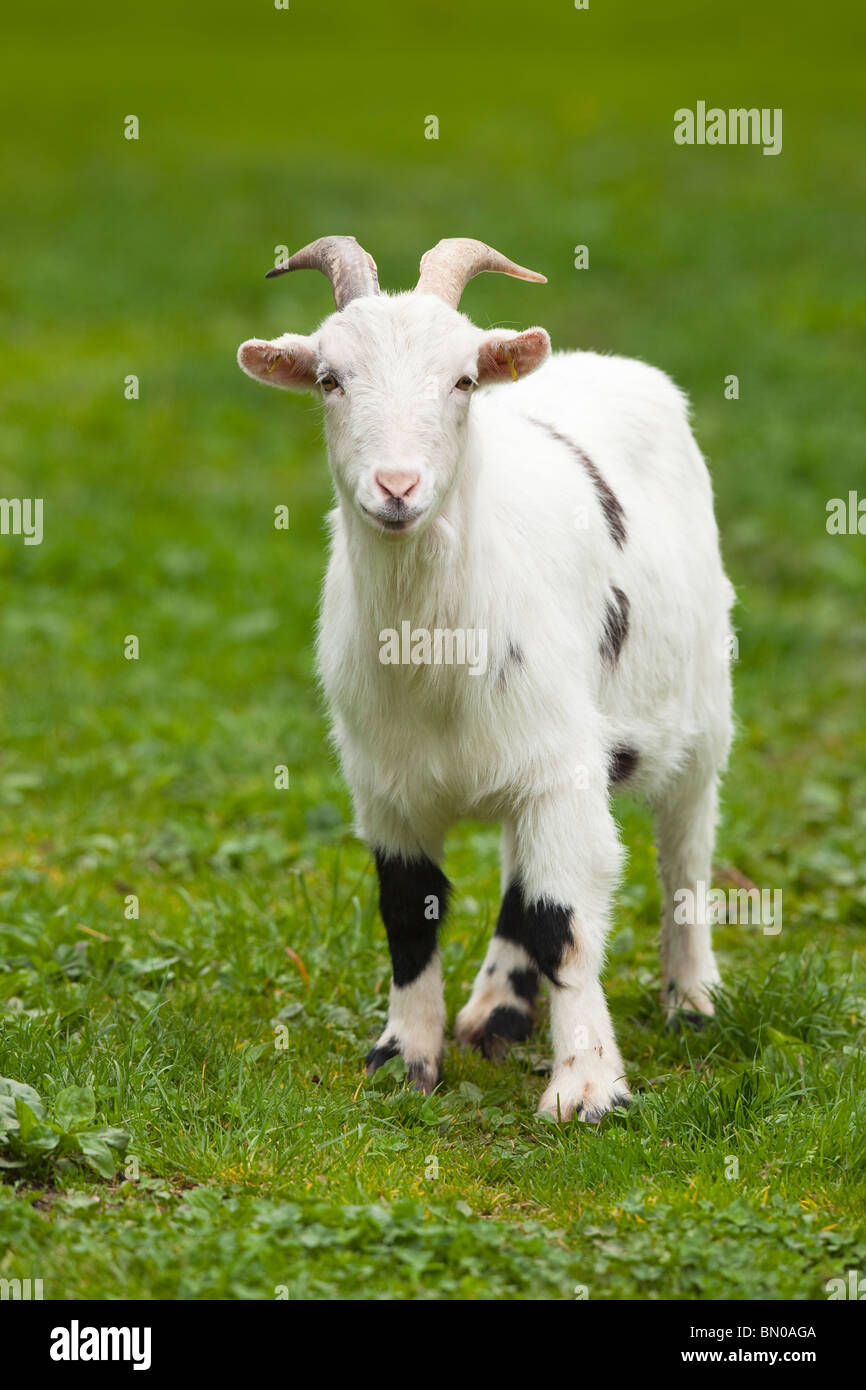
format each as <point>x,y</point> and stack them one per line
<point>261,127</point>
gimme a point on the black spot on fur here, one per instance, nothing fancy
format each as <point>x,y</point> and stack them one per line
<point>615,626</point>
<point>524,983</point>
<point>404,889</point>
<point>610,503</point>
<point>543,929</point>
<point>623,764</point>
<point>513,658</point>
<point>504,1025</point>
<point>511,1024</point>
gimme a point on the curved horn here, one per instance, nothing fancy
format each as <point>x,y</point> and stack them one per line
<point>351,271</point>
<point>447,269</point>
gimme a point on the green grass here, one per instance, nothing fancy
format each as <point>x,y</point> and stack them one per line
<point>261,1166</point>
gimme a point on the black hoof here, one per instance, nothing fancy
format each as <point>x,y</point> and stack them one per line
<point>423,1076</point>
<point>592,1116</point>
<point>380,1054</point>
<point>677,1021</point>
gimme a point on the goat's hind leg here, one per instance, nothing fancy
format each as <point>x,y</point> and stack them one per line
<point>500,1009</point>
<point>685,830</point>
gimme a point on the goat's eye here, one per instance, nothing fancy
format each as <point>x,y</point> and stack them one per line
<point>329,383</point>
<point>465,383</point>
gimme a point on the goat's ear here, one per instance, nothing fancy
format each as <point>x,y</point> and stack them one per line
<point>289,362</point>
<point>505,356</point>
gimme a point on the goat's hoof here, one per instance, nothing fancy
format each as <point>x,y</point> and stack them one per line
<point>493,1033</point>
<point>381,1053</point>
<point>680,1018</point>
<point>584,1092</point>
<point>690,1004</point>
<point>425,1074</point>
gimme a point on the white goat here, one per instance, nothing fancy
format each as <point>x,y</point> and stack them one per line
<point>568,517</point>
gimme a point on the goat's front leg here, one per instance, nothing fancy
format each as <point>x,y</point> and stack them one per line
<point>413,896</point>
<point>566,863</point>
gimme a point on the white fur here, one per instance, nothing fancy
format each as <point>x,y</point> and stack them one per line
<point>510,538</point>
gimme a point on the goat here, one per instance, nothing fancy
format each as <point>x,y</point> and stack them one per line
<point>566,513</point>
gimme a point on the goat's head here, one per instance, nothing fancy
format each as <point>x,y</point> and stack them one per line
<point>396,374</point>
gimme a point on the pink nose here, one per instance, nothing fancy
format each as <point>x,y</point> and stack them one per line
<point>400,485</point>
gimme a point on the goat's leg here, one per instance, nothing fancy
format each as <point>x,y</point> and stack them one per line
<point>413,895</point>
<point>566,863</point>
<point>685,830</point>
<point>500,1009</point>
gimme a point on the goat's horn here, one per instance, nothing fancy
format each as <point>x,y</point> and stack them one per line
<point>351,271</point>
<point>447,269</point>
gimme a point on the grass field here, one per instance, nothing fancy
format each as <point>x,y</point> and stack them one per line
<point>257,1159</point>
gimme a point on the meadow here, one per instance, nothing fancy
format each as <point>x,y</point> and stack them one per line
<point>210,1047</point>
